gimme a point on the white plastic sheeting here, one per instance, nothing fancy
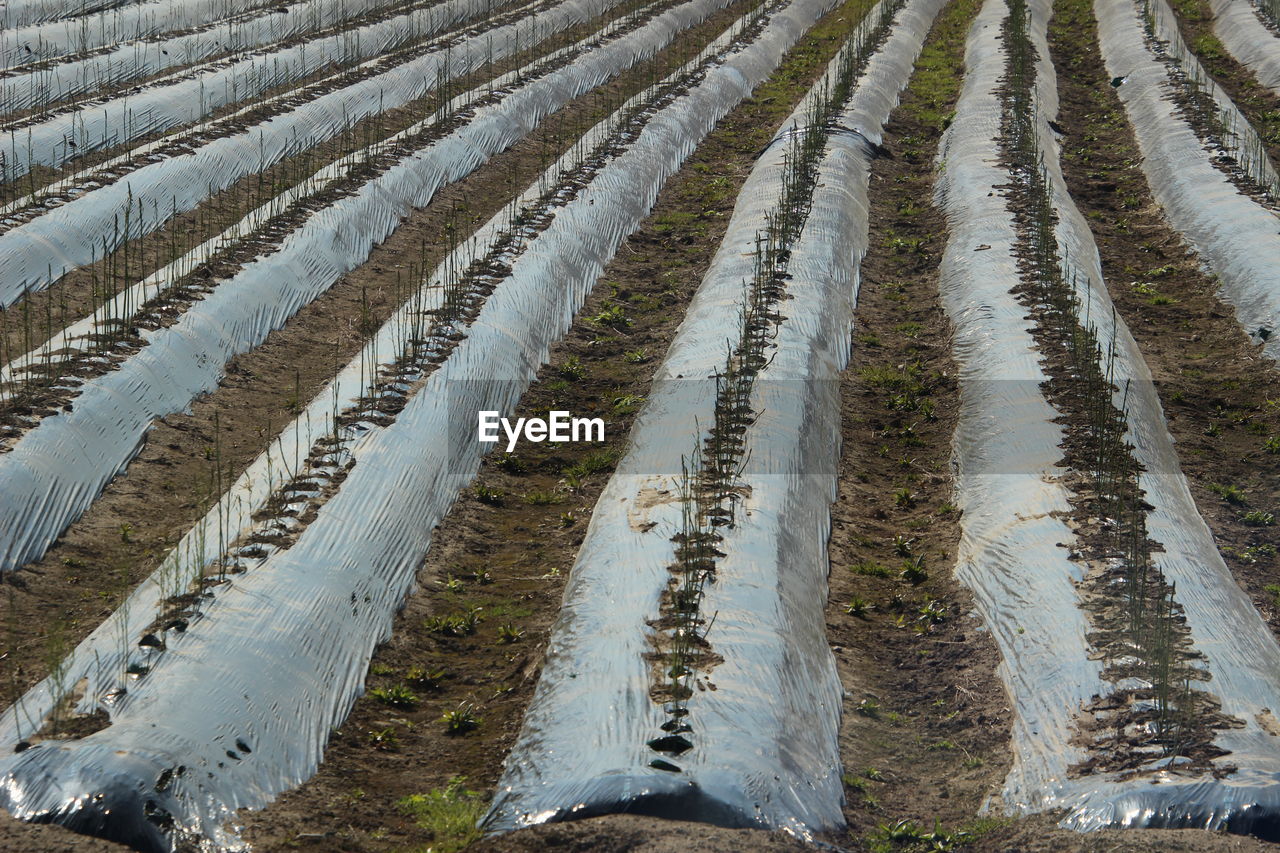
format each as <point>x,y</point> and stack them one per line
<point>60,466</point>
<point>1248,40</point>
<point>239,706</point>
<point>20,13</point>
<point>124,61</point>
<point>1236,237</point>
<point>765,746</point>
<point>35,253</point>
<point>121,118</point>
<point>25,43</point>
<point>1013,552</point>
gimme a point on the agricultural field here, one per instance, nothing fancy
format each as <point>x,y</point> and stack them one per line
<point>639,425</point>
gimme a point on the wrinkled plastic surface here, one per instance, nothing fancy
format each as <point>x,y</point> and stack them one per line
<point>32,42</point>
<point>1013,552</point>
<point>765,746</point>
<point>21,13</point>
<point>1237,238</point>
<point>73,234</point>
<point>58,468</point>
<point>125,58</point>
<point>1246,38</point>
<point>123,117</point>
<point>281,652</point>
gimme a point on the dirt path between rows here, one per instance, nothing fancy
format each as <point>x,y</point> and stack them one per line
<point>508,544</point>
<point>53,603</point>
<point>1220,395</point>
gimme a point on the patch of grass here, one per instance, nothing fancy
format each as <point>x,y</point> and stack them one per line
<point>397,696</point>
<point>572,368</point>
<point>870,568</point>
<point>1258,518</point>
<point>460,720</point>
<point>450,814</point>
<point>542,497</point>
<point>455,624</point>
<point>611,317</point>
<point>1229,493</point>
<point>486,495</point>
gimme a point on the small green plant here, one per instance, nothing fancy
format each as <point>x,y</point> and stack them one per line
<point>455,624</point>
<point>486,495</point>
<point>381,669</point>
<point>397,696</point>
<point>1272,444</point>
<point>450,815</point>
<point>460,720</point>
<point>1274,590</point>
<point>568,519</point>
<point>635,356</point>
<point>126,533</point>
<point>425,679</point>
<point>627,403</point>
<point>508,633</point>
<point>902,545</point>
<point>1258,518</point>
<point>857,606</point>
<point>904,497</point>
<point>611,317</point>
<point>454,585</point>
<point>1229,493</point>
<point>510,463</point>
<point>913,570</point>
<point>572,368</point>
<point>383,739</point>
<point>870,568</point>
<point>542,497</point>
<point>869,708</point>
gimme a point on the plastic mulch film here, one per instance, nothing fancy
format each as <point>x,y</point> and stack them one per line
<point>1237,238</point>
<point>121,58</point>
<point>39,251</point>
<point>764,719</point>
<point>21,13</point>
<point>57,468</point>
<point>189,96</point>
<point>1248,40</point>
<point>37,41</point>
<point>201,731</point>
<point>1015,546</point>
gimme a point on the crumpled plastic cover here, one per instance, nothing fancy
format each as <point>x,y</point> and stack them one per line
<point>20,13</point>
<point>1013,551</point>
<point>57,469</point>
<point>41,40</point>
<point>34,254</point>
<point>189,96</point>
<point>1248,40</point>
<point>129,57</point>
<point>238,708</point>
<point>1236,237</point>
<point>765,730</point>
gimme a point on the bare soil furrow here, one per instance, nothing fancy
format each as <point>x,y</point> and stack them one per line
<point>1215,386</point>
<point>123,537</point>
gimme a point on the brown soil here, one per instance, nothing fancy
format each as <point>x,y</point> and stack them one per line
<point>1217,390</point>
<point>1260,105</point>
<point>19,837</point>
<point>57,600</point>
<point>508,555</point>
<point>175,71</point>
<point>37,316</point>
<point>926,729</point>
<point>926,723</point>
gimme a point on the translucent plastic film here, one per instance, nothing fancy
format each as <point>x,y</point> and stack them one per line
<point>763,722</point>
